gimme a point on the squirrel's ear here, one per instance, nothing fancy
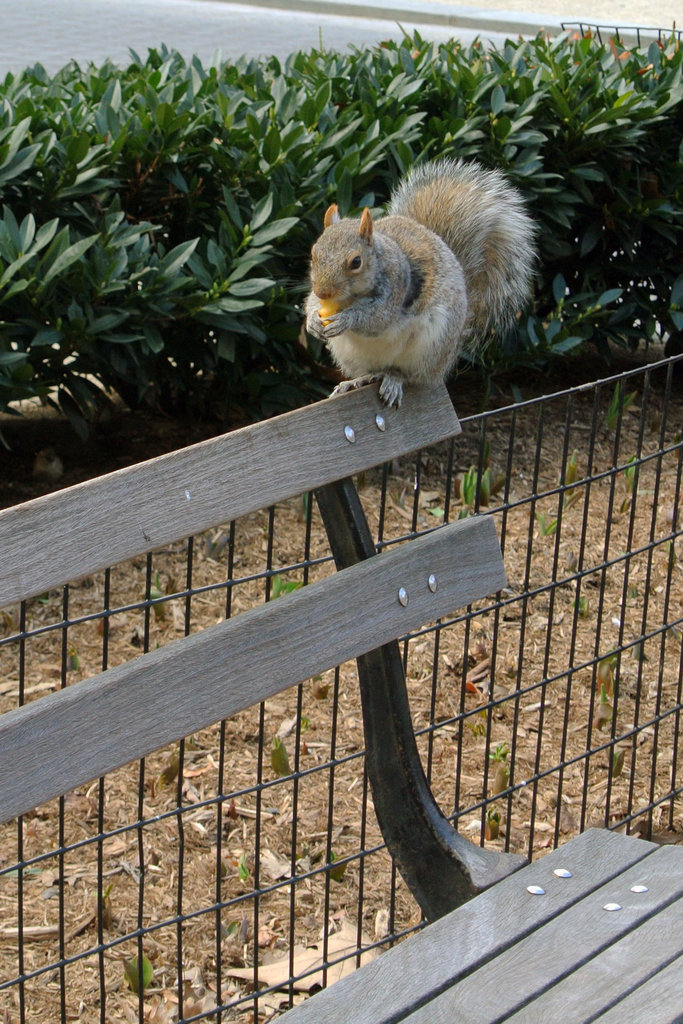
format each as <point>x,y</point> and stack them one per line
<point>365,230</point>
<point>331,215</point>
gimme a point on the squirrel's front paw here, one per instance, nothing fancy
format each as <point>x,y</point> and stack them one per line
<point>315,326</point>
<point>391,390</point>
<point>336,324</point>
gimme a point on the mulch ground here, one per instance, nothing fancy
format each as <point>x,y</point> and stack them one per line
<point>542,725</point>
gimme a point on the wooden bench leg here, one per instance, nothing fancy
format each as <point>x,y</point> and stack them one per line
<point>441,867</point>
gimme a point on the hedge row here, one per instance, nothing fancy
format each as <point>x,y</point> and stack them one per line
<point>156,220</point>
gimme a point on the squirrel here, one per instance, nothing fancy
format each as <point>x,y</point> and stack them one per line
<point>396,299</point>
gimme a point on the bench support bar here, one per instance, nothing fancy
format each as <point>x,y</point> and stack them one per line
<point>441,867</point>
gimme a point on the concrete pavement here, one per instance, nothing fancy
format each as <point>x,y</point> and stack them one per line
<point>54,31</point>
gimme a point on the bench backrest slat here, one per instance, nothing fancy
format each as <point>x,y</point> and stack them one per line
<point>72,533</point>
<point>83,731</point>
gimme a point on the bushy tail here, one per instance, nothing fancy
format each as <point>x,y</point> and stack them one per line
<point>482,218</point>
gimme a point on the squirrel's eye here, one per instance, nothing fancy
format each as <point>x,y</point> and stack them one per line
<point>355,263</point>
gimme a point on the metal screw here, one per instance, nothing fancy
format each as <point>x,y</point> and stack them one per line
<point>380,421</point>
<point>403,596</point>
<point>536,890</point>
<point>612,906</point>
<point>562,873</point>
<point>432,583</point>
<point>350,434</point>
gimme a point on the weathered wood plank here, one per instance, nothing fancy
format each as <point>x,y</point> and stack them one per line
<point>71,533</point>
<point>657,1001</point>
<point>70,737</point>
<point>520,975</point>
<point>620,968</point>
<point>450,949</point>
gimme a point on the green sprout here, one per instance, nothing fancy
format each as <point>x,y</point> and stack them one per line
<point>498,758</point>
<point>132,974</point>
<point>618,406</point>
<point>569,478</point>
<point>546,526</point>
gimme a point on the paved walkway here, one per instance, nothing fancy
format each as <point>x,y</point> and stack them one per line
<point>54,31</point>
<point>656,13</point>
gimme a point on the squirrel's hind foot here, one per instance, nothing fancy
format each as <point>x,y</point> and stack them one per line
<point>390,387</point>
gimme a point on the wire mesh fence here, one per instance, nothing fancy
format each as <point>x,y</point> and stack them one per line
<point>628,34</point>
<point>226,876</point>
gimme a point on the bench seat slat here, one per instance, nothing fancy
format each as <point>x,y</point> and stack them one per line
<point>392,986</point>
<point>82,529</point>
<point>79,733</point>
<point>522,973</point>
<point>627,963</point>
<point>657,1001</point>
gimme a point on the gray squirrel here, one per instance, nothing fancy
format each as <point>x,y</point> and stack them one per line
<point>396,299</point>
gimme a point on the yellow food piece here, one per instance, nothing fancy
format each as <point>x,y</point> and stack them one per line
<point>326,310</point>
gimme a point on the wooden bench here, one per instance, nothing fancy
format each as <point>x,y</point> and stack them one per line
<point>591,932</point>
<point>505,952</point>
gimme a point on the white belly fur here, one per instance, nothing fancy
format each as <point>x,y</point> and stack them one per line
<point>421,348</point>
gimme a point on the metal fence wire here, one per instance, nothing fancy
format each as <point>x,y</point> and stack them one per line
<point>225,877</point>
<point>629,35</point>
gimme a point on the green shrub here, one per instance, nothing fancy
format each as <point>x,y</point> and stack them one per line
<point>156,220</point>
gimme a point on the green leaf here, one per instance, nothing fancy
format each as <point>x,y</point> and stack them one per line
<point>78,146</point>
<point>27,231</point>
<point>45,235</point>
<point>274,231</point>
<point>164,115</point>
<point>19,163</point>
<point>589,173</point>
<point>252,286</point>
<point>19,286</point>
<point>46,336</point>
<point>107,322</point>
<point>497,100</point>
<point>153,339</point>
<point>14,267</point>
<point>567,344</point>
<point>232,208</point>
<point>591,237</point>
<point>177,257</point>
<point>262,211</point>
<point>322,97</point>
<point>66,258</point>
<point>8,358</point>
<point>272,145</point>
<point>559,288</point>
<point>23,373</point>
<point>609,296</point>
